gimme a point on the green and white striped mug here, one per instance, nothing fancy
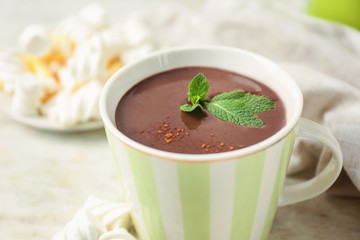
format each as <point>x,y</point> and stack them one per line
<point>231,195</point>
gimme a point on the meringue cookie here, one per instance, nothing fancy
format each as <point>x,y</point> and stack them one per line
<point>35,41</point>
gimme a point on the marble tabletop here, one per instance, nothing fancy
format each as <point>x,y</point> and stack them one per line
<point>47,176</point>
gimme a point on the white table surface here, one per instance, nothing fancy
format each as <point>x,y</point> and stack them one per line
<point>47,176</point>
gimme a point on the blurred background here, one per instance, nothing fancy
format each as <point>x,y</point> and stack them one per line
<point>15,15</point>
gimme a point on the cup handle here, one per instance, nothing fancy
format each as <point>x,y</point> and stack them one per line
<point>298,192</point>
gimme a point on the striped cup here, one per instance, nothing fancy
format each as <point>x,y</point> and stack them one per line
<point>231,195</point>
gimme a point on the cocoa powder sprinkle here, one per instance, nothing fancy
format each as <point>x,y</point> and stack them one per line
<point>169,135</point>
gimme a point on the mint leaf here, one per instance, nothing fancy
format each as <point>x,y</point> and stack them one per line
<point>190,108</point>
<point>237,107</point>
<point>254,102</point>
<point>198,88</point>
<point>258,103</point>
<point>240,108</point>
<point>234,111</point>
<point>229,96</point>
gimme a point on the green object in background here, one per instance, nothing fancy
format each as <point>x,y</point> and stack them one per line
<point>343,11</point>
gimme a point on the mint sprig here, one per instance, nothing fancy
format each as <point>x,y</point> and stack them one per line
<point>237,107</point>
<point>198,89</point>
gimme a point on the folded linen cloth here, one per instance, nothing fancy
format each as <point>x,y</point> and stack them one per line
<point>323,58</point>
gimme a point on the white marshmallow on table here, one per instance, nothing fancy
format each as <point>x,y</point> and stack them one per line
<point>98,219</point>
<point>35,41</point>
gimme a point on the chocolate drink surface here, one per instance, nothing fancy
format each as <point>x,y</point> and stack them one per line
<point>150,114</point>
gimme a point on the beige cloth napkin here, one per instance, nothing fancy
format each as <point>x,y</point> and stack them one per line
<point>323,57</point>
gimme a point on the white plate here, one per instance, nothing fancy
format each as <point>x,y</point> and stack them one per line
<point>44,123</point>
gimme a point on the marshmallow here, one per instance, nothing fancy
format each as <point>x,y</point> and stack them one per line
<point>114,42</point>
<point>66,78</point>
<point>11,66</point>
<point>136,33</point>
<point>90,20</point>
<point>73,29</point>
<point>134,54</point>
<point>84,226</point>
<point>111,215</point>
<point>35,41</point>
<point>29,89</point>
<point>88,62</point>
<point>70,108</point>
<point>98,218</point>
<point>118,234</point>
<point>95,16</point>
<point>78,57</point>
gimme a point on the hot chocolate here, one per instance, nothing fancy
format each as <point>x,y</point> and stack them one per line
<point>150,114</point>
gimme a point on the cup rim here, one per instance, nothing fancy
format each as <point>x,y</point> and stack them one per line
<point>206,157</point>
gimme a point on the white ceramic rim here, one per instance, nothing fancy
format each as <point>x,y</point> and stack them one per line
<point>211,157</point>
